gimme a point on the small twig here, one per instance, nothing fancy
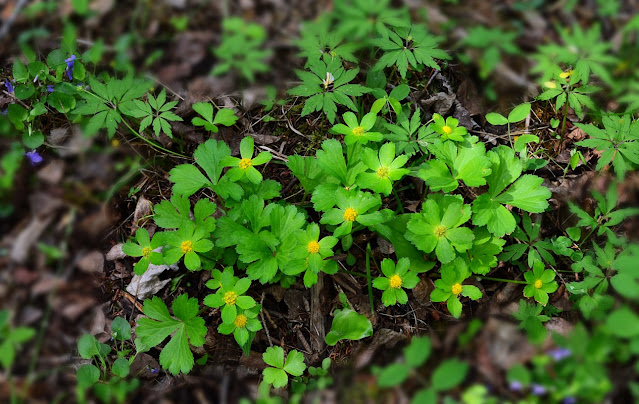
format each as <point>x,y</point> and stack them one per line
<point>268,335</point>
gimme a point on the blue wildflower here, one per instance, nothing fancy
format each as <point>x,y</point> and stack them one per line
<point>538,389</point>
<point>50,88</point>
<point>8,85</point>
<point>569,400</point>
<point>34,157</point>
<point>515,385</point>
<point>70,63</point>
<point>559,353</point>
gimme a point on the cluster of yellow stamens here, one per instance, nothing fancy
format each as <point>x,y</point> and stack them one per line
<point>240,321</point>
<point>538,284</point>
<point>186,246</point>
<point>230,298</point>
<point>447,130</point>
<point>350,214</point>
<point>382,172</point>
<point>358,131</point>
<point>245,163</point>
<point>146,252</point>
<point>456,289</point>
<point>440,231</point>
<point>395,281</point>
<point>313,247</point>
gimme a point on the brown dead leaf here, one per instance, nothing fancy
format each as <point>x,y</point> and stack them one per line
<point>142,212</point>
<point>92,262</point>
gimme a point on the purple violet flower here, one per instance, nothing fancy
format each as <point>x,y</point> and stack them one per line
<point>34,157</point>
<point>559,353</point>
<point>50,88</point>
<point>515,385</point>
<point>538,389</point>
<point>569,400</point>
<point>9,86</point>
<point>70,63</point>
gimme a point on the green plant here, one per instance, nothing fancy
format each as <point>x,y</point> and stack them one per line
<point>386,168</point>
<point>605,217</point>
<point>11,339</point>
<point>241,49</point>
<point>315,253</point>
<point>449,288</point>
<point>224,116</point>
<point>617,143</point>
<point>437,227</point>
<point>531,320</point>
<point>493,43</point>
<point>394,281</point>
<point>144,247</point>
<point>155,112</point>
<point>245,166</point>
<point>230,295</point>
<point>327,85</point>
<point>348,324</point>
<point>359,19</point>
<point>357,132</point>
<point>186,328</point>
<point>277,375</point>
<point>449,129</point>
<point>406,46</point>
<point>540,282</point>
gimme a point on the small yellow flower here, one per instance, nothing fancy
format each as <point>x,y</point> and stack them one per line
<point>382,172</point>
<point>186,246</point>
<point>240,321</point>
<point>456,289</point>
<point>350,214</point>
<point>358,131</point>
<point>539,284</point>
<point>566,74</point>
<point>230,298</point>
<point>447,130</point>
<point>550,84</point>
<point>245,163</point>
<point>395,281</point>
<point>115,143</point>
<point>313,247</point>
<point>146,252</point>
<point>440,231</point>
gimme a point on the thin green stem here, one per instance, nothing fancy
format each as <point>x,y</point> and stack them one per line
<point>368,276</point>
<point>152,143</point>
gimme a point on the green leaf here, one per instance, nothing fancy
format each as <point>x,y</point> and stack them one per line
<point>176,355</point>
<point>449,374</point>
<point>121,367</point>
<point>121,329</point>
<point>623,323</point>
<point>187,179</point>
<point>494,118</point>
<point>275,377</point>
<point>418,351</point>
<point>294,364</point>
<point>393,375</point>
<point>87,376</point>
<point>519,113</point>
<point>20,72</point>
<point>348,324</point>
<point>88,346</point>
<point>425,396</point>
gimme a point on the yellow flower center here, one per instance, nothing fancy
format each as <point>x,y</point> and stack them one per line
<point>566,74</point>
<point>245,163</point>
<point>230,298</point>
<point>146,252</point>
<point>456,289</point>
<point>240,321</point>
<point>313,247</point>
<point>440,231</point>
<point>550,84</point>
<point>115,143</point>
<point>539,284</point>
<point>186,246</point>
<point>395,281</point>
<point>358,131</point>
<point>447,130</point>
<point>382,172</point>
<point>350,214</point>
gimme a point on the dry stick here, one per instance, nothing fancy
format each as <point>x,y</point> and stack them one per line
<point>268,335</point>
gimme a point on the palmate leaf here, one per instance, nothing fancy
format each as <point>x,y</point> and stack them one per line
<point>327,85</point>
<point>176,356</point>
<point>409,46</point>
<point>453,163</point>
<point>525,192</point>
